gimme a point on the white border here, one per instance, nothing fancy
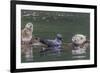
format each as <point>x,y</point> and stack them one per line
<point>20,65</point>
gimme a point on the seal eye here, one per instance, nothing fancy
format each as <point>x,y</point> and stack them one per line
<point>30,26</point>
<point>81,38</point>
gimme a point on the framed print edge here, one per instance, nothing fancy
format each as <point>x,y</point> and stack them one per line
<point>95,35</point>
<point>13,36</point>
